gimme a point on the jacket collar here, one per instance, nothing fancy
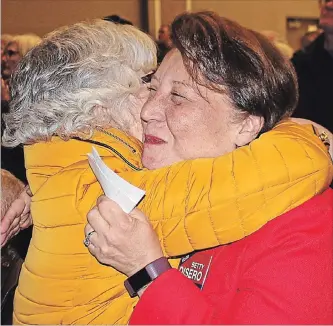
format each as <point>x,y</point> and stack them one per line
<point>60,153</point>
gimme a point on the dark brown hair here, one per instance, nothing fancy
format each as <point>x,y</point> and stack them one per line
<point>228,58</point>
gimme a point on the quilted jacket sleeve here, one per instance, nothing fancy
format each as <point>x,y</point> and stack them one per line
<point>207,202</point>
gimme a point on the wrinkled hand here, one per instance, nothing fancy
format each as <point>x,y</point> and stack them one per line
<point>126,242</point>
<point>17,217</point>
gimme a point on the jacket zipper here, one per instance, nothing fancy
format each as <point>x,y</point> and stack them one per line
<point>117,138</point>
<point>111,149</point>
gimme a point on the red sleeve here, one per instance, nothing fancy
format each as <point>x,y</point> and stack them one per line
<point>274,291</point>
<point>291,283</point>
<point>172,299</point>
<point>286,278</point>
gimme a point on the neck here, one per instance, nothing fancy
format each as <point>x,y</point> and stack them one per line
<point>329,43</point>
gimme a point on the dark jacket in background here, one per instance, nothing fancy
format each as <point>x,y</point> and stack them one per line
<point>162,50</point>
<point>314,70</point>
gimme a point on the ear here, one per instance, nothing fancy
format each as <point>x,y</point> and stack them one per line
<point>249,130</point>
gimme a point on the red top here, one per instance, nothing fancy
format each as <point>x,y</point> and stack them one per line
<point>281,274</point>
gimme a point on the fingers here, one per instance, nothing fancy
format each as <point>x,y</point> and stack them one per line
<point>12,219</point>
<point>87,229</point>
<point>97,222</point>
<point>15,210</point>
<point>13,229</point>
<point>111,211</point>
<point>7,236</point>
<point>25,218</point>
<point>92,238</point>
<point>9,223</point>
<point>137,214</point>
<point>16,217</point>
<point>26,221</point>
<point>28,191</point>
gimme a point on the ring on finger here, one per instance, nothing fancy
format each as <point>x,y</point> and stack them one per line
<point>87,241</point>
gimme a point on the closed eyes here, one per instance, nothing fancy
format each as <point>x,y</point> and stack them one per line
<point>147,78</point>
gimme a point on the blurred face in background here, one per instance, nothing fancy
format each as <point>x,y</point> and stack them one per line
<point>3,45</point>
<point>9,60</point>
<point>164,34</point>
<point>326,15</point>
<point>309,37</point>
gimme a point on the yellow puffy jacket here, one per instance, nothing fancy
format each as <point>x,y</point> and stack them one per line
<point>193,205</point>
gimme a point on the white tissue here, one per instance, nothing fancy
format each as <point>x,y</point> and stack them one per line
<point>116,188</point>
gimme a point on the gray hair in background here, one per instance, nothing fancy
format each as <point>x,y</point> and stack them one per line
<point>75,69</point>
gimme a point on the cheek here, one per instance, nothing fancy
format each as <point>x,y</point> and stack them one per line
<point>181,121</point>
<point>192,122</point>
<point>13,62</point>
<point>17,60</point>
<point>200,133</point>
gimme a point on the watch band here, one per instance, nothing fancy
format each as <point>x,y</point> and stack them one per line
<point>146,275</point>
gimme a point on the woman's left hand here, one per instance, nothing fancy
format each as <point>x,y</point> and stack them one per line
<point>17,217</point>
<point>126,242</point>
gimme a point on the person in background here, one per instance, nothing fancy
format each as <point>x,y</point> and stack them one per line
<point>5,38</point>
<point>308,38</point>
<point>279,42</point>
<point>280,274</point>
<point>314,68</point>
<point>164,43</point>
<point>14,51</point>
<point>12,159</point>
<point>17,46</point>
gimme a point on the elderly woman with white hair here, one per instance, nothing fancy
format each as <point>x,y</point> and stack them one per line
<point>82,87</point>
<point>16,48</point>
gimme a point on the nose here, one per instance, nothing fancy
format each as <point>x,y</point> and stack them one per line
<point>153,110</point>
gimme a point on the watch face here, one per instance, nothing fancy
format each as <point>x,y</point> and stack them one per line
<point>141,278</point>
<point>137,281</point>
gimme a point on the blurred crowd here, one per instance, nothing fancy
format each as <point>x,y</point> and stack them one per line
<point>313,64</point>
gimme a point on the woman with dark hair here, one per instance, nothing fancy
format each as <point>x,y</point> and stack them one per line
<point>96,72</point>
<point>219,89</point>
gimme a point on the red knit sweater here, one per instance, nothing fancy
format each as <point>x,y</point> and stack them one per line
<point>281,274</point>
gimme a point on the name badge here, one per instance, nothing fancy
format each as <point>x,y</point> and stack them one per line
<point>196,266</point>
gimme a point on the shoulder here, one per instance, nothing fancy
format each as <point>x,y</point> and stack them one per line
<point>302,238</point>
<point>304,233</point>
<point>313,218</point>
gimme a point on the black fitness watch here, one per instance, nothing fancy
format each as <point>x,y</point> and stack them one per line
<point>146,275</point>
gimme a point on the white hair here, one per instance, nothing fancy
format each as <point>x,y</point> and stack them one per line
<point>58,84</point>
<point>6,38</point>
